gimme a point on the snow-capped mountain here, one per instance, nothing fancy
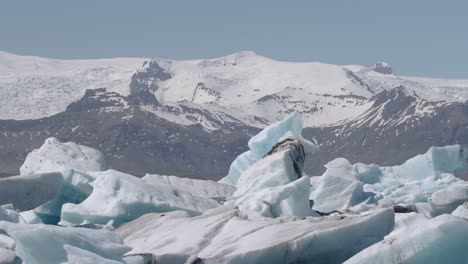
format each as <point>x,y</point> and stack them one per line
<point>244,83</point>
<point>140,110</point>
<point>35,87</point>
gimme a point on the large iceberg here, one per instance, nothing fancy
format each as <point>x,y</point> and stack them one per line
<point>274,185</point>
<point>262,143</point>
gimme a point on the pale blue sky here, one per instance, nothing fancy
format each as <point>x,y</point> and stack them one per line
<point>422,38</point>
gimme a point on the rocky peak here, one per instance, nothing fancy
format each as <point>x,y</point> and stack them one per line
<point>96,99</point>
<point>382,67</point>
<point>148,77</point>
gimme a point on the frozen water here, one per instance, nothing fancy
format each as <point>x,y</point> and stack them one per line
<point>52,244</point>
<point>338,188</point>
<point>55,156</point>
<point>204,188</point>
<point>447,200</point>
<point>225,235</point>
<point>439,240</point>
<point>122,197</point>
<point>75,188</point>
<point>290,199</point>
<point>8,214</point>
<point>274,186</point>
<point>27,192</point>
<point>461,211</point>
<point>262,143</point>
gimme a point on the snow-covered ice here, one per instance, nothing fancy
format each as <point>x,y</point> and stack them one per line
<point>55,156</point>
<point>338,188</point>
<point>461,211</point>
<point>225,235</point>
<point>447,200</point>
<point>120,197</point>
<point>37,244</point>
<point>203,188</point>
<point>439,240</point>
<point>263,142</point>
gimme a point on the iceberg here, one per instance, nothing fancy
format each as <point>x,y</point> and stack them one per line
<point>461,211</point>
<point>120,197</point>
<point>447,200</point>
<point>75,188</point>
<point>8,214</point>
<point>203,188</point>
<point>410,184</point>
<point>338,188</point>
<point>55,156</point>
<point>429,241</point>
<point>226,235</point>
<point>7,250</point>
<point>262,143</point>
<point>286,200</point>
<point>67,161</point>
<point>37,244</point>
<point>274,185</point>
<point>28,192</point>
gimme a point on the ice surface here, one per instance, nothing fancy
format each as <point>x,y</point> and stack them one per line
<point>439,240</point>
<point>52,244</point>
<point>225,235</point>
<point>274,170</point>
<point>436,160</point>
<point>122,197</point>
<point>461,211</point>
<point>447,200</point>
<point>203,188</point>
<point>75,188</point>
<point>30,217</point>
<point>413,182</point>
<point>368,173</point>
<point>262,143</point>
<point>274,185</point>
<point>55,156</point>
<point>28,192</point>
<point>285,200</point>
<point>10,215</point>
<point>338,188</point>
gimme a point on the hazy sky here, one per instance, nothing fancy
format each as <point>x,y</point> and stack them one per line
<point>422,38</point>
